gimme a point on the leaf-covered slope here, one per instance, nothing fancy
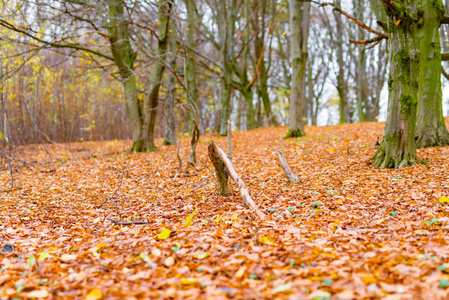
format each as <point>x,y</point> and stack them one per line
<point>347,231</point>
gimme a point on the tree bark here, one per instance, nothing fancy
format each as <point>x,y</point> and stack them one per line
<point>244,192</point>
<point>124,57</point>
<point>430,128</point>
<point>226,28</point>
<point>220,170</point>
<point>341,83</point>
<point>361,66</point>
<point>259,54</point>
<point>192,98</point>
<point>291,177</point>
<point>398,144</point>
<point>299,24</point>
<point>151,103</point>
<point>170,129</point>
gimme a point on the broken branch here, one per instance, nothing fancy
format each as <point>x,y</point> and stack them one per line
<point>292,178</point>
<point>244,192</point>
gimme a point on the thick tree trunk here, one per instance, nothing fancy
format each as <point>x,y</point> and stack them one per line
<point>151,104</point>
<point>133,111</point>
<point>124,59</point>
<point>398,145</point>
<point>430,128</point>
<point>299,24</point>
<point>249,107</point>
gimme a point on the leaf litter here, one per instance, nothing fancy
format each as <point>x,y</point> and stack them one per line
<point>346,231</point>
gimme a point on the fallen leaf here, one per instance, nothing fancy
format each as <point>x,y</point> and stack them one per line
<point>164,234</point>
<point>94,294</point>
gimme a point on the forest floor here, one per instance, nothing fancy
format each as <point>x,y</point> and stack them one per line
<point>347,231</point>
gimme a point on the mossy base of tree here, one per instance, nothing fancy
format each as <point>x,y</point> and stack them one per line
<point>432,137</point>
<point>294,134</point>
<point>394,159</point>
<point>151,148</point>
<point>167,143</point>
<point>136,147</point>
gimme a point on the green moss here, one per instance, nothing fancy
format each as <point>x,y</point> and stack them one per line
<point>136,147</point>
<point>294,134</point>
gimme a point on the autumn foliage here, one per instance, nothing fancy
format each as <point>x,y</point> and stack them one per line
<point>348,230</point>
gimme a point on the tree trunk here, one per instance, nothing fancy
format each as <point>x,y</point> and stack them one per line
<point>299,24</point>
<point>341,83</point>
<point>226,27</point>
<point>151,104</point>
<point>430,128</point>
<point>398,144</point>
<point>192,98</point>
<point>124,59</point>
<point>259,55</point>
<point>361,66</point>
<point>170,130</point>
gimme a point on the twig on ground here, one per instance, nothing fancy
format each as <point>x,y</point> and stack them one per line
<point>202,182</point>
<point>159,189</point>
<point>177,154</point>
<point>129,223</point>
<point>116,191</point>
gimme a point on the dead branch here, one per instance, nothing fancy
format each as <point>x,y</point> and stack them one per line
<point>215,152</point>
<point>158,189</point>
<point>129,223</point>
<point>292,178</point>
<point>116,191</point>
<point>177,154</point>
<point>194,142</point>
<point>376,40</point>
<point>444,72</point>
<point>195,187</point>
<point>359,23</point>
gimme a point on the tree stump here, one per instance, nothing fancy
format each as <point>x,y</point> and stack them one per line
<point>220,169</point>
<point>222,165</point>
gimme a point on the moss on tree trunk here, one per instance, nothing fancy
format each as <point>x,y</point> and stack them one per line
<point>398,145</point>
<point>299,21</point>
<point>124,58</point>
<point>430,128</point>
<point>151,103</point>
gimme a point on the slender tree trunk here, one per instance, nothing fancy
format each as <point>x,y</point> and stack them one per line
<point>124,59</point>
<point>226,28</point>
<point>151,103</point>
<point>263,72</point>
<point>361,66</point>
<point>246,89</point>
<point>398,144</point>
<point>430,128</point>
<point>170,130</point>
<point>341,83</point>
<point>192,97</point>
<point>299,24</point>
